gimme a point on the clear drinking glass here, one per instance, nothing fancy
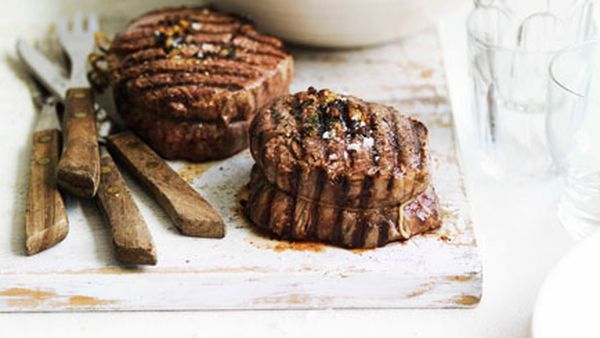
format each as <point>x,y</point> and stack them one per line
<point>573,127</point>
<point>511,43</point>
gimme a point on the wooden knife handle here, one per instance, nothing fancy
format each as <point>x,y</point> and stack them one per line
<point>79,165</point>
<point>191,213</point>
<point>131,237</point>
<point>46,222</point>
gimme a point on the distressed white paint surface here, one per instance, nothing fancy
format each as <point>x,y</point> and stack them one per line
<point>246,270</point>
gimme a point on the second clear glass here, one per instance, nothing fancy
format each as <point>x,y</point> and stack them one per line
<point>511,44</point>
<point>573,127</point>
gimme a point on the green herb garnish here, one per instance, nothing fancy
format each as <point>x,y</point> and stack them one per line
<point>313,119</point>
<point>277,116</point>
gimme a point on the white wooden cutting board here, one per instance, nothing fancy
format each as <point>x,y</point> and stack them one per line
<point>245,270</point>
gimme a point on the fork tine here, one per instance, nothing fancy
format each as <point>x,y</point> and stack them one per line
<point>78,23</point>
<point>92,20</point>
<point>61,26</point>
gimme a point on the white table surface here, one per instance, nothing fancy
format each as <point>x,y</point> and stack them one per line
<point>518,233</point>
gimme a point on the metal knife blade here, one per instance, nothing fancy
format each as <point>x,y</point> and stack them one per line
<point>48,118</point>
<point>45,71</point>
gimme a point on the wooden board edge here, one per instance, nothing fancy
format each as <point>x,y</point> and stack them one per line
<point>242,291</point>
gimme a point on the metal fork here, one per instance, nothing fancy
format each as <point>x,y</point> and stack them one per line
<point>77,42</point>
<point>78,171</point>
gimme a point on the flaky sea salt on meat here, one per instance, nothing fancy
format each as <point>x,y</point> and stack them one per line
<point>366,143</point>
<point>327,135</point>
<point>196,26</point>
<point>354,146</point>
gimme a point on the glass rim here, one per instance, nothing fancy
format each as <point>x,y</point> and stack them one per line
<point>562,53</point>
<point>472,35</point>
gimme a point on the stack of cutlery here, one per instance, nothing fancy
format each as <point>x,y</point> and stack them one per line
<point>84,167</point>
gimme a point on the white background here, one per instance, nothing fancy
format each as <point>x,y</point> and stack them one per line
<point>519,236</point>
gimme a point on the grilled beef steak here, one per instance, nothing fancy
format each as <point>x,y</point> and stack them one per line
<point>189,80</point>
<point>296,218</point>
<point>340,150</point>
<point>336,169</point>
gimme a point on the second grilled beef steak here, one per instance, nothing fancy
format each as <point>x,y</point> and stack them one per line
<point>295,218</point>
<point>340,150</point>
<point>189,80</point>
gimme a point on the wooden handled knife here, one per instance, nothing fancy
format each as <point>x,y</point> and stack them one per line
<point>46,222</point>
<point>131,237</point>
<point>191,213</point>
<point>78,171</point>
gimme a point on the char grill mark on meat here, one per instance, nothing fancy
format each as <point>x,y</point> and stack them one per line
<point>163,81</point>
<point>163,66</point>
<point>169,20</point>
<point>382,235</point>
<point>384,150</point>
<point>297,173</point>
<point>158,19</point>
<point>312,231</point>
<point>299,138</point>
<point>212,46</point>
<point>347,227</point>
<point>358,234</point>
<point>378,139</point>
<point>157,87</point>
<point>241,38</point>
<point>170,34</point>
<point>204,27</point>
<point>181,79</point>
<point>266,215</point>
<point>197,55</point>
<point>291,209</point>
<point>368,184</point>
<point>159,64</point>
<point>392,183</point>
<point>340,216</point>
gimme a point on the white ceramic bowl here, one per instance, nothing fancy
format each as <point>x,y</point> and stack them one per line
<point>339,23</point>
<point>568,303</point>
